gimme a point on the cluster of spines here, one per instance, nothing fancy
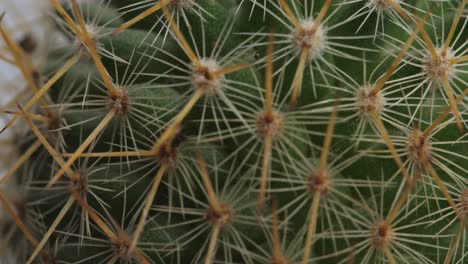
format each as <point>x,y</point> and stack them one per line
<point>275,138</point>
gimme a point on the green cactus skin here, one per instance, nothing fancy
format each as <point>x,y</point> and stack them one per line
<point>242,131</point>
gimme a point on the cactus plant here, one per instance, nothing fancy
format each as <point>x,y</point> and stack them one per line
<point>232,131</point>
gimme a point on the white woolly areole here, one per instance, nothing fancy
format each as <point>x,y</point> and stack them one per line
<point>181,4</point>
<point>381,5</point>
<point>92,32</point>
<point>202,77</point>
<point>314,42</point>
<point>441,67</point>
<point>366,102</point>
<point>464,202</point>
<point>418,148</point>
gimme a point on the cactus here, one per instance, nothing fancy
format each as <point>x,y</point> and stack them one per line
<point>229,131</point>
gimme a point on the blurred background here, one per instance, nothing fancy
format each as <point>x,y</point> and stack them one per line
<point>24,20</point>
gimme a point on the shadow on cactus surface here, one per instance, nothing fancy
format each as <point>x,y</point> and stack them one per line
<point>240,131</point>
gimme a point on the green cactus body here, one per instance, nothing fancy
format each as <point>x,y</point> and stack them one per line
<point>228,131</point>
